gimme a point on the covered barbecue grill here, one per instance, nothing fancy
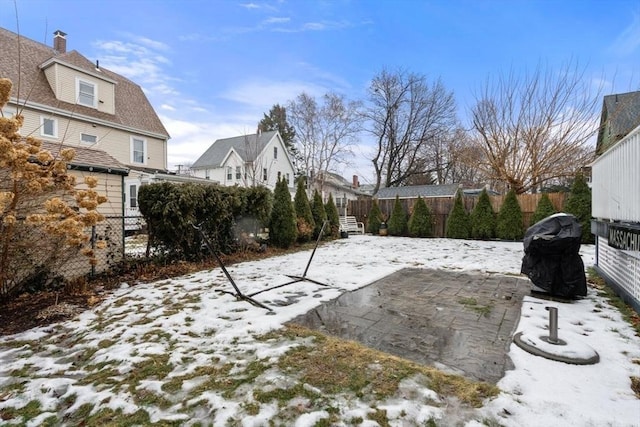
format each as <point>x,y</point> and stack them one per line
<point>552,260</point>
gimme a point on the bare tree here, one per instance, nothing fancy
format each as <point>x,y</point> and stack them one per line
<point>534,128</point>
<point>406,114</point>
<point>325,133</point>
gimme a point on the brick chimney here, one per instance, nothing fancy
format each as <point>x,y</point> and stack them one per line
<point>60,41</point>
<point>355,182</point>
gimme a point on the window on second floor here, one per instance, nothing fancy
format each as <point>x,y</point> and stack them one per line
<point>275,152</point>
<point>88,139</point>
<point>48,127</point>
<point>287,178</point>
<point>229,173</point>
<point>264,174</point>
<point>138,150</point>
<point>86,93</point>
<point>238,172</point>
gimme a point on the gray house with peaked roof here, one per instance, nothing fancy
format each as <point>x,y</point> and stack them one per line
<point>246,161</point>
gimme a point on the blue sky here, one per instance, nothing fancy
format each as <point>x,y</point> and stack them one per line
<point>212,68</point>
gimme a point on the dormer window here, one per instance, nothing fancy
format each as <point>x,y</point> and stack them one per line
<point>86,93</point>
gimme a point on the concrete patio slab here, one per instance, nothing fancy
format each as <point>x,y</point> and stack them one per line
<point>457,321</point>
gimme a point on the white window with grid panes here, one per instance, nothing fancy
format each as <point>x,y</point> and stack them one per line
<point>138,150</point>
<point>86,93</point>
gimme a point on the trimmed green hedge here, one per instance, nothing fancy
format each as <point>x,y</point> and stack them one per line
<point>170,211</point>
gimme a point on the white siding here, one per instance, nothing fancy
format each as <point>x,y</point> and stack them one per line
<point>621,266</point>
<point>616,181</point>
<point>109,185</point>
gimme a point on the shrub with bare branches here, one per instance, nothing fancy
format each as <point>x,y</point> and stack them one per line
<point>44,219</point>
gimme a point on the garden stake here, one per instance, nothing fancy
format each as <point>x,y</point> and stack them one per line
<point>239,295</point>
<point>304,275</point>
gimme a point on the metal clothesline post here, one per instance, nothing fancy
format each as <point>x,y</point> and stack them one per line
<point>239,295</point>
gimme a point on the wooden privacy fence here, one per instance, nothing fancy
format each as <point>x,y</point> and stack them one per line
<point>441,206</point>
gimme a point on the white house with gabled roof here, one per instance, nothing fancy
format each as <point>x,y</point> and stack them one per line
<point>247,161</point>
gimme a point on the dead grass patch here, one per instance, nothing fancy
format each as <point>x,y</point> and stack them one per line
<point>337,366</point>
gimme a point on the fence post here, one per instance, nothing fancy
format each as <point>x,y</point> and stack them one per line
<point>93,248</point>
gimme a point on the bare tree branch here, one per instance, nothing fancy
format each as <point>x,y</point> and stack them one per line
<point>535,128</point>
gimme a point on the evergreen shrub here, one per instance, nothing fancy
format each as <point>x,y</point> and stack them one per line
<point>397,225</point>
<point>509,225</point>
<point>374,218</point>
<point>421,220</point>
<point>458,224</point>
<point>483,219</point>
<point>333,217</point>
<point>304,217</point>
<point>282,226</point>
<point>319,215</point>
<point>579,204</point>
<point>544,209</point>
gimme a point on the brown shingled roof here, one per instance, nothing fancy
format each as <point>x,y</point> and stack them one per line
<point>22,66</point>
<point>86,158</point>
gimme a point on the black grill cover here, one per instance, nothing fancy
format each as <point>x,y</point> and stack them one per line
<point>551,256</point>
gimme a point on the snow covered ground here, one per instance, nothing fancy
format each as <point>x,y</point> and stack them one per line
<point>185,325</point>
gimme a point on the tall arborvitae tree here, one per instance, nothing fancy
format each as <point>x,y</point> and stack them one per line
<point>375,218</point>
<point>333,217</point>
<point>277,120</point>
<point>483,219</point>
<point>458,224</point>
<point>319,215</point>
<point>421,221</point>
<point>304,218</point>
<point>282,226</point>
<point>397,224</point>
<point>579,204</point>
<point>544,209</point>
<point>509,225</point>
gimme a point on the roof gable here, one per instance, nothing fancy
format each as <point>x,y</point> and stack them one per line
<point>248,147</point>
<point>22,60</point>
<point>414,191</point>
<point>620,115</point>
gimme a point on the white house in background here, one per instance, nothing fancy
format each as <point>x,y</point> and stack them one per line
<point>615,196</point>
<point>340,189</point>
<point>246,161</point>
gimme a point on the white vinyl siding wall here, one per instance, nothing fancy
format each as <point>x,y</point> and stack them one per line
<point>616,181</point>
